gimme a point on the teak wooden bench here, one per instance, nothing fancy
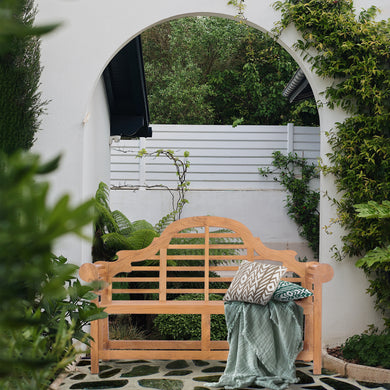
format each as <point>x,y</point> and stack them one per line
<point>208,250</point>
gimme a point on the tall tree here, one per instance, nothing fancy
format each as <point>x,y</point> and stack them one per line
<point>209,70</point>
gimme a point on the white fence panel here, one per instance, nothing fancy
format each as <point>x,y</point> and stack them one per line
<point>221,157</point>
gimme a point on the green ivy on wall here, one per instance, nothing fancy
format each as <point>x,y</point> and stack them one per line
<point>353,49</point>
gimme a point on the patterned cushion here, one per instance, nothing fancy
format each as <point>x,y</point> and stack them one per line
<point>254,282</point>
<point>287,291</point>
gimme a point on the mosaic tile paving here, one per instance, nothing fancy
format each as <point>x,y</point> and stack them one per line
<point>188,375</point>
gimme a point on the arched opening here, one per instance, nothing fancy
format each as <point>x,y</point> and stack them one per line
<point>224,160</point>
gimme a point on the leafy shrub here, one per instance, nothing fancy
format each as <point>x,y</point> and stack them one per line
<point>368,349</point>
<point>376,262</point>
<point>42,307</point>
<point>188,326</point>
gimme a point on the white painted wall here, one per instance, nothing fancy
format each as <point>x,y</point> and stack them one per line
<point>74,57</point>
<point>96,153</point>
<point>261,210</point>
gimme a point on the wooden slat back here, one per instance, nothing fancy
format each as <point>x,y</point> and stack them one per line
<point>193,255</point>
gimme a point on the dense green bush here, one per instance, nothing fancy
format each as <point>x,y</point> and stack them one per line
<point>370,349</point>
<point>188,326</point>
<point>211,70</point>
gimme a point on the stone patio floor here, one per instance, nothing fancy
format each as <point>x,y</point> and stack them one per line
<point>188,375</point>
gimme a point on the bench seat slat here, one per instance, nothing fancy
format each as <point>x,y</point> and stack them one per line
<point>168,307</point>
<point>134,291</point>
<point>164,344</point>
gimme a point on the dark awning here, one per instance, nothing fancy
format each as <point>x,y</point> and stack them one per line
<point>124,79</point>
<point>298,88</point>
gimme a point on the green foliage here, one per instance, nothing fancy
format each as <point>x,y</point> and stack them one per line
<point>74,303</point>
<point>12,27</point>
<point>376,257</point>
<point>304,113</point>
<point>41,307</point>
<point>209,70</point>
<point>373,209</point>
<point>353,49</point>
<point>188,326</point>
<point>295,174</point>
<point>114,231</point>
<point>370,349</point>
<point>122,328</point>
<point>20,70</point>
<point>376,262</point>
<point>136,240</point>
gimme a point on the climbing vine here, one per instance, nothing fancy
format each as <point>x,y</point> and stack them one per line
<point>181,167</point>
<point>295,174</point>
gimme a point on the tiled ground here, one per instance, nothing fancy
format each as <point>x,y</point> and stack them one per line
<point>187,375</point>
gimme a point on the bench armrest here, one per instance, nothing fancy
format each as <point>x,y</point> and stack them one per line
<point>90,272</point>
<point>319,272</point>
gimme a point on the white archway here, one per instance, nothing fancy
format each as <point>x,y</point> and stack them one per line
<point>76,126</point>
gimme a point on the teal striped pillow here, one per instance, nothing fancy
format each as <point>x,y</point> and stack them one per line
<point>287,291</point>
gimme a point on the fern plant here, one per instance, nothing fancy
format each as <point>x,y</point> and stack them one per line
<point>114,231</point>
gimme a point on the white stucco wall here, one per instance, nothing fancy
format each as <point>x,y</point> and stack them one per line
<point>74,57</point>
<point>261,210</point>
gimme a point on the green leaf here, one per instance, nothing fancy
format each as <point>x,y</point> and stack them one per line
<point>374,258</point>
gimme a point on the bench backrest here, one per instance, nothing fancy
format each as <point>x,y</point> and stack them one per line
<point>193,255</point>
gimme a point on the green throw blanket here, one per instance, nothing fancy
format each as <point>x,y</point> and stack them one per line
<point>264,343</point>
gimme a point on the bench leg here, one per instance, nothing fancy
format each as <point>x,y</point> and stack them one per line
<point>205,342</point>
<point>317,361</point>
<point>103,333</point>
<point>95,347</point>
<point>317,332</point>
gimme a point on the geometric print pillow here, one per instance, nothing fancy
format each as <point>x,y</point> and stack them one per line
<point>254,282</point>
<point>287,291</point>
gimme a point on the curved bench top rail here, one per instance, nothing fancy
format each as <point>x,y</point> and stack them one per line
<point>127,257</point>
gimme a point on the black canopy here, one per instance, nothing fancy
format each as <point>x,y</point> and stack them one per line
<point>124,79</point>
